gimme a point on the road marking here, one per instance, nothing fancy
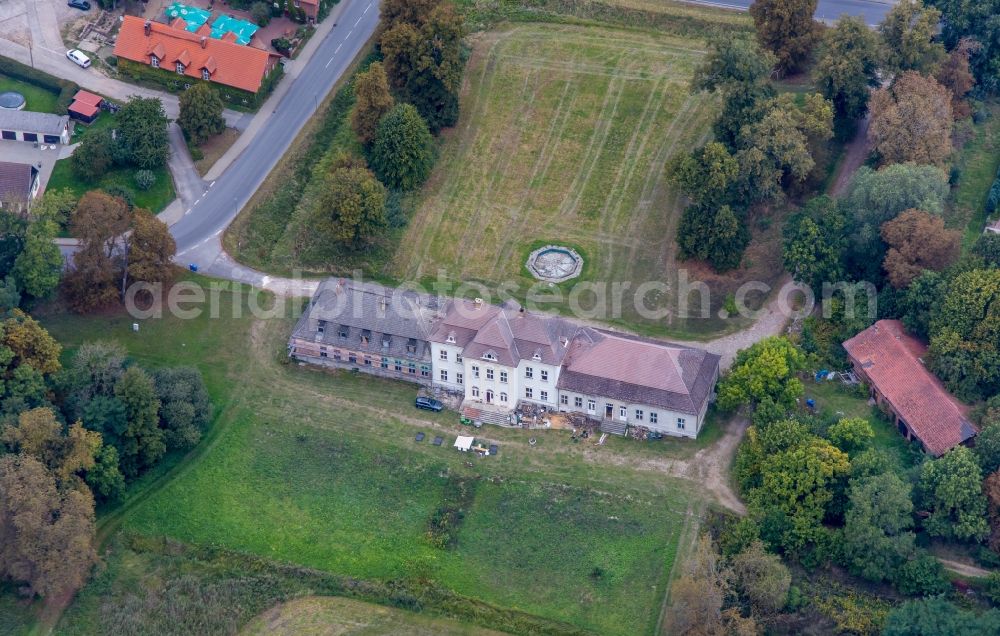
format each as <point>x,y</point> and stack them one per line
<point>211,184</point>
<point>368,7</point>
<point>335,51</point>
<point>331,59</point>
<point>359,20</point>
<point>349,34</point>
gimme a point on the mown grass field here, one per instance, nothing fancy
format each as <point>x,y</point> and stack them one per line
<point>320,470</point>
<point>35,98</point>
<point>154,199</point>
<point>563,138</point>
<point>978,163</point>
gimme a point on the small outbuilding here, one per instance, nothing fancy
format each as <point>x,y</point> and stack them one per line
<point>26,125</point>
<point>464,443</point>
<point>85,106</point>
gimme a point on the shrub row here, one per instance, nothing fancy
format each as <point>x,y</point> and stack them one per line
<point>64,88</point>
<point>173,83</point>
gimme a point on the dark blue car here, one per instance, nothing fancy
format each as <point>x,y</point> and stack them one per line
<point>428,404</point>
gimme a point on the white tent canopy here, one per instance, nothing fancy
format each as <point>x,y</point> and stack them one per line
<point>464,443</point>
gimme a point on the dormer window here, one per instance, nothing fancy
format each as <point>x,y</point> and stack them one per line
<point>450,338</point>
<point>205,75</point>
<point>366,335</point>
<point>385,341</point>
<point>411,345</point>
<point>343,331</point>
<point>537,356</point>
<point>180,68</point>
<point>489,356</point>
<point>321,327</point>
<point>154,61</point>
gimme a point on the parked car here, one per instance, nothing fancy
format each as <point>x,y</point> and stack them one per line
<point>82,5</point>
<point>77,57</point>
<point>429,404</point>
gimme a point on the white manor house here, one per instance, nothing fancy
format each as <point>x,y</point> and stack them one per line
<point>496,358</point>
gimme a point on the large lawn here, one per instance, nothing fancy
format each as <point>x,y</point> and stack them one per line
<point>563,138</point>
<point>321,470</point>
<point>155,199</point>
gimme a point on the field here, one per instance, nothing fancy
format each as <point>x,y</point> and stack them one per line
<point>563,138</point>
<point>320,471</point>
<point>978,162</point>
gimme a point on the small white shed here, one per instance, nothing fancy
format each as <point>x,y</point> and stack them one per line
<point>464,443</point>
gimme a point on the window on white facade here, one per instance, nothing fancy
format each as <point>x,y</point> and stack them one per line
<point>638,414</point>
<point>529,372</point>
<point>622,412</point>
<point>528,393</point>
<point>652,417</point>
<point>564,399</point>
<point>458,378</point>
<point>458,358</point>
<point>444,354</point>
<point>578,402</point>
<point>475,371</point>
<point>544,395</point>
<point>490,356</point>
<point>591,406</point>
<point>503,377</point>
<point>475,391</point>
<point>545,375</point>
<point>680,423</point>
<point>503,397</point>
<point>444,375</point>
<point>489,373</point>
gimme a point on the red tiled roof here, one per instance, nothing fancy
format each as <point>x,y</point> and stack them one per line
<point>83,108</point>
<point>235,65</point>
<point>88,98</point>
<point>891,359</point>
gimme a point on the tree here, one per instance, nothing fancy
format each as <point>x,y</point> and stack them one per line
<point>733,62</point>
<point>100,222</point>
<point>46,534</point>
<point>707,175</point>
<point>201,111</point>
<point>938,617</point>
<point>55,206</point>
<point>403,152</point>
<point>908,32</point>
<point>951,490</point>
<point>399,45</point>
<point>978,21</point>
<point>791,135</point>
<point>105,480</point>
<point>26,342</point>
<point>372,101</point>
<point>150,250</point>
<point>965,334</point>
<point>142,132</point>
<point>917,241</point>
<point>766,369</point>
<point>94,370</point>
<point>877,535</point>
<point>412,12</point>
<point>697,597</point>
<point>911,121</point>
<point>987,448</point>
<point>851,435</point>
<point>847,68</point>
<point>185,409</point>
<point>815,242</point>
<point>762,578</point>
<point>991,490</point>
<point>987,247</point>
<point>260,12</point>
<point>39,265</point>
<point>956,75</point>
<point>786,28</point>
<point>92,158</point>
<point>349,208</point>
<point>923,575</point>
<point>142,444</point>
<point>716,235</point>
<point>39,435</point>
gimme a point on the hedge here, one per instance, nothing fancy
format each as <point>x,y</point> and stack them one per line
<point>174,83</point>
<point>64,88</point>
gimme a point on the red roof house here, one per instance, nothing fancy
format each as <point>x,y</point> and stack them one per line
<point>891,362</point>
<point>176,50</point>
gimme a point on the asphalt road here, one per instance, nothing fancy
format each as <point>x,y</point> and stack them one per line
<point>871,10</point>
<point>227,195</point>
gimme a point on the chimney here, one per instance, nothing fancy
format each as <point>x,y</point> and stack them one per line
<point>204,41</point>
<point>478,303</point>
<point>147,27</point>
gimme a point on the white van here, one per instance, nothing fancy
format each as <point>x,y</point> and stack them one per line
<point>78,58</point>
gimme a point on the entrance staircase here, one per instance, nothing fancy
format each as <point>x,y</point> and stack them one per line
<point>487,416</point>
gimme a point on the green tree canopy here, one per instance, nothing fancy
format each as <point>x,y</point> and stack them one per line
<point>767,369</point>
<point>717,235</point>
<point>877,536</point>
<point>142,443</point>
<point>847,67</point>
<point>39,265</point>
<point>201,113</point>
<point>403,152</point>
<point>350,208</point>
<point>93,157</point>
<point>938,617</point>
<point>908,32</point>
<point>815,244</point>
<point>951,491</point>
<point>142,132</point>
<point>372,101</point>
<point>733,61</point>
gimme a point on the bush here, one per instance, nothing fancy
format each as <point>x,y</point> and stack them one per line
<point>922,576</point>
<point>145,179</point>
<point>282,45</point>
<point>122,193</point>
<point>991,587</point>
<point>112,61</point>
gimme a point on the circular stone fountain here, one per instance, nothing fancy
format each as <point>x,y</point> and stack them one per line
<point>554,263</point>
<point>11,100</point>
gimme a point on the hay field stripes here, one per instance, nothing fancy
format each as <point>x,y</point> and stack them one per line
<point>514,147</point>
